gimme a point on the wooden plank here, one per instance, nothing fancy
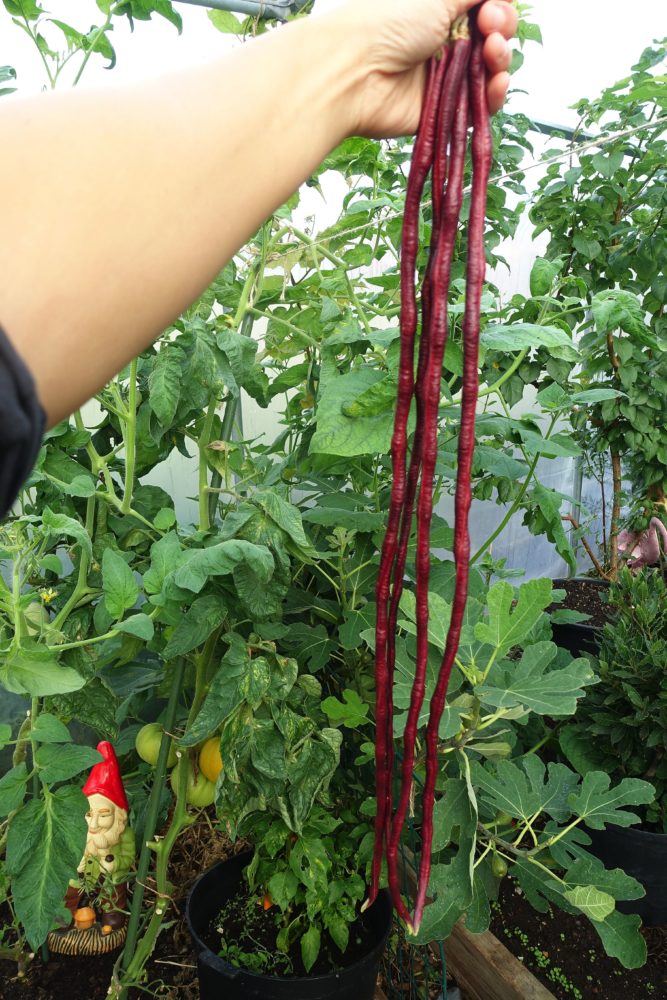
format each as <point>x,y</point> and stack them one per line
<point>379,993</point>
<point>483,967</point>
<point>486,970</point>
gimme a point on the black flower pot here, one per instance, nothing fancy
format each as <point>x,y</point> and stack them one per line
<point>643,855</point>
<point>218,980</point>
<point>578,640</point>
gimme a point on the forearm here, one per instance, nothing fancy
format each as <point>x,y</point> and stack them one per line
<point>119,208</point>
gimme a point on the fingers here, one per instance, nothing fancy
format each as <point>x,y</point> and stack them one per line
<point>498,20</point>
<point>497,54</point>
<point>498,16</point>
<point>497,91</point>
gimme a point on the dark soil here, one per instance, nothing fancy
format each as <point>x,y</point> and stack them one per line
<point>244,925</point>
<point>586,596</point>
<point>566,955</point>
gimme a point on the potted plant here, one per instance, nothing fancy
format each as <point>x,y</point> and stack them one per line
<point>621,728</point>
<point>285,916</point>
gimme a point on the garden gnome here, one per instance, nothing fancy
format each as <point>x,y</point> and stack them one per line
<point>96,899</point>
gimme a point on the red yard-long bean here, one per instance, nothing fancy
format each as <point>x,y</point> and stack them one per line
<point>429,447</point>
<point>421,165</point>
<point>453,91</point>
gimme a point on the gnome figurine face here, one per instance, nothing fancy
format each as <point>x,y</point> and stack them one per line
<point>99,893</point>
<point>106,816</point>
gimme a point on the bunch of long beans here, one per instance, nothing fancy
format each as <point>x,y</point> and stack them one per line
<point>455,96</point>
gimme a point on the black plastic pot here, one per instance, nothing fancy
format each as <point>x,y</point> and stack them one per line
<point>218,980</point>
<point>577,639</point>
<point>643,855</point>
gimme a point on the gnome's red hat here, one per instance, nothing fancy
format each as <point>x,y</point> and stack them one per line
<point>105,778</point>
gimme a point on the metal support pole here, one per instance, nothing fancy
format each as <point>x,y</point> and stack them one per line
<point>255,8</point>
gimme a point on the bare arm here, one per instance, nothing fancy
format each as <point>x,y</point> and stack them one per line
<point>139,196</point>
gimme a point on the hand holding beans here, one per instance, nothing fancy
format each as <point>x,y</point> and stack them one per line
<point>401,35</point>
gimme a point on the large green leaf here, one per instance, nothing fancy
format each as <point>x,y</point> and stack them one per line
<point>95,705</point>
<point>498,463</point>
<point>451,886</point>
<point>119,585</point>
<point>615,309</point>
<point>311,645</point>
<point>140,626</point>
<point>13,786</point>
<point>204,616</point>
<point>337,434</point>
<point>310,774</point>
<point>60,763</point>
<point>198,565</point>
<point>584,753</point>
<point>45,843</point>
<point>62,525</point>
<point>73,479</point>
<point>508,624</point>
<point>286,516</point>
<point>524,791</point>
<point>49,729</point>
<point>440,613</point>
<point>535,685</point>
<point>165,382</point>
<point>453,810</point>
<point>598,804</point>
<point>33,670</point>
<point>521,336</point>
<point>545,518</point>
<point>619,933</point>
<point>166,555</point>
<point>224,694</point>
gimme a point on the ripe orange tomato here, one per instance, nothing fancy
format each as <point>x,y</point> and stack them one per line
<point>210,761</point>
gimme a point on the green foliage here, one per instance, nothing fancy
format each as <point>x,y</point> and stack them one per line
<point>44,846</point>
<point>621,725</point>
<point>611,256</point>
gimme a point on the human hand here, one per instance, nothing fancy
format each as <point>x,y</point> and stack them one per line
<point>399,36</point>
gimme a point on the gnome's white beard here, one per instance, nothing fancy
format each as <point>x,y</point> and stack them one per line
<point>98,844</point>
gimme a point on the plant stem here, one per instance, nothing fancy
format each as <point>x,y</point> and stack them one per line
<point>151,819</point>
<point>496,387</point>
<point>130,436</point>
<point>589,551</point>
<point>204,442</point>
<point>92,43</point>
<point>615,515</point>
<point>84,563</point>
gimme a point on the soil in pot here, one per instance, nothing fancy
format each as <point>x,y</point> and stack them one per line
<point>244,934</point>
<point>566,954</point>
<point>586,596</point>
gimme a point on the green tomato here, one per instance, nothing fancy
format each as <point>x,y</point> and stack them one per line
<point>200,791</point>
<point>148,742</point>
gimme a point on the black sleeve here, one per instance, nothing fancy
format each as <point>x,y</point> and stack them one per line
<point>22,422</point>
